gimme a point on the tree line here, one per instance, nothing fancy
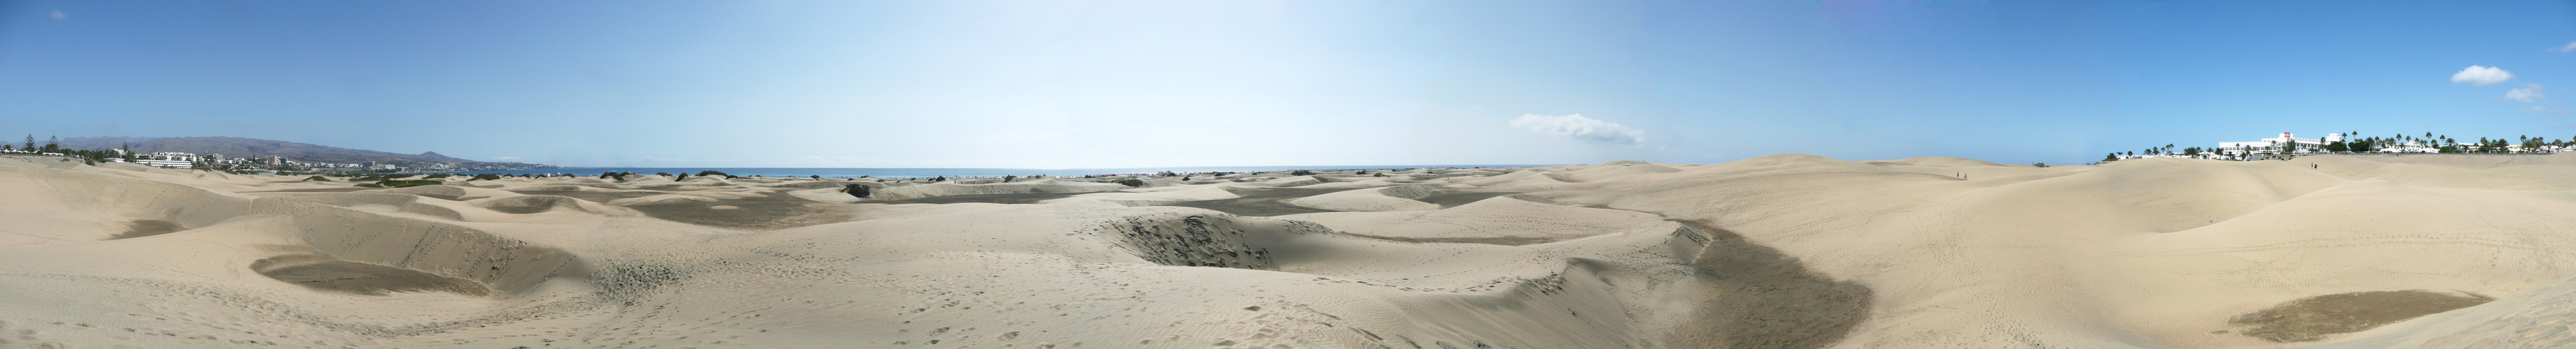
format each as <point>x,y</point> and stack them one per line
<point>2350,144</point>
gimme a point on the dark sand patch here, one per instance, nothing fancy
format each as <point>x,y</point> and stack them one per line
<point>147,227</point>
<point>1257,202</point>
<point>332,274</point>
<point>470,184</point>
<point>602,197</point>
<point>1757,297</point>
<point>769,211</point>
<point>1448,200</point>
<point>826,184</point>
<point>1014,198</point>
<point>434,191</point>
<point>529,204</point>
<point>2312,318</point>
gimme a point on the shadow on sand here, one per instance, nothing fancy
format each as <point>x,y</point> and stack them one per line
<point>1260,202</point>
<point>1756,297</point>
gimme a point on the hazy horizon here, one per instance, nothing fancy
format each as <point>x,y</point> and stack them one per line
<point>1146,84</point>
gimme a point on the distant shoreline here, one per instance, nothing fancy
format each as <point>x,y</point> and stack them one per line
<point>850,172</point>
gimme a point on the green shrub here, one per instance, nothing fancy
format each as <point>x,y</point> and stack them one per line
<point>435,176</point>
<point>714,173</point>
<point>371,185</point>
<point>855,190</point>
<point>397,176</point>
<point>317,179</point>
<point>1132,182</point>
<point>1302,173</point>
<point>486,177</point>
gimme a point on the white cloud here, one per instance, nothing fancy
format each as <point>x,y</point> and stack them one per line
<point>2528,93</point>
<point>2571,46</point>
<point>506,159</point>
<point>2541,109</point>
<point>59,15</point>
<point>2481,76</point>
<point>1581,128</point>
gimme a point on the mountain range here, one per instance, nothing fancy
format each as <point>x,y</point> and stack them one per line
<point>238,147</point>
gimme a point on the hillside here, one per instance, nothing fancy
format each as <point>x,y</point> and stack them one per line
<point>247,147</point>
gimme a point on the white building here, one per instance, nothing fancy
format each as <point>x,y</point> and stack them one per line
<point>2411,147</point>
<point>2285,144</point>
<point>168,159</point>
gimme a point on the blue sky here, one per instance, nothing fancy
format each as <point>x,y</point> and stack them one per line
<point>1090,84</point>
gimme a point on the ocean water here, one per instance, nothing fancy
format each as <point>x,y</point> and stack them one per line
<point>939,172</point>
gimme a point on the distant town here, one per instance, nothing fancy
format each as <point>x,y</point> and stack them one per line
<point>2289,145</point>
<point>249,163</point>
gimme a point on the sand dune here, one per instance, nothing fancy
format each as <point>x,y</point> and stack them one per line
<point>1499,220</point>
<point>1783,251</point>
<point>1150,196</point>
<point>1018,187</point>
<point>1373,199</point>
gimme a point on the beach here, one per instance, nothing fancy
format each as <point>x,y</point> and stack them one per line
<point>1779,251</point>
